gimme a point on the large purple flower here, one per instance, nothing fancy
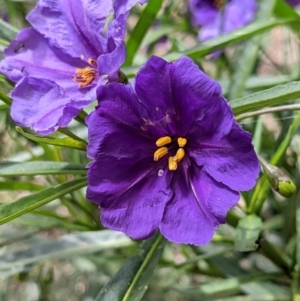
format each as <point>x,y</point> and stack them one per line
<point>59,63</point>
<point>215,17</point>
<point>168,154</point>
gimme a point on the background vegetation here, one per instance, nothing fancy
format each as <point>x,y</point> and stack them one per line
<point>52,245</point>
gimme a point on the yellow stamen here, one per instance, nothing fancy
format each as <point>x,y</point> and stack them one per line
<point>172,164</point>
<point>218,3</point>
<point>179,155</point>
<point>181,142</point>
<point>86,76</point>
<point>93,63</point>
<point>162,151</point>
<point>163,141</point>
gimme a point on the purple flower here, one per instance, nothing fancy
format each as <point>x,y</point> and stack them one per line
<point>293,2</point>
<point>59,63</point>
<point>168,154</point>
<point>121,7</point>
<point>215,17</point>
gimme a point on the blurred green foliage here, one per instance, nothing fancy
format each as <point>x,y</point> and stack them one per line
<point>52,244</point>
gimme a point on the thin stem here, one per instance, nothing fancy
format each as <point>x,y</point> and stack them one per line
<point>71,134</point>
<point>268,110</point>
<point>81,117</point>
<point>204,257</point>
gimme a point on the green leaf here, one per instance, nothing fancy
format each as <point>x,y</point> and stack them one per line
<point>155,35</point>
<point>130,282</point>
<point>44,222</point>
<point>249,54</point>
<point>6,99</point>
<point>40,249</point>
<point>247,233</point>
<point>283,10</point>
<point>269,97</point>
<point>231,38</point>
<point>63,142</point>
<point>137,35</point>
<point>20,186</point>
<point>28,203</point>
<point>224,288</point>
<point>7,31</point>
<point>8,169</point>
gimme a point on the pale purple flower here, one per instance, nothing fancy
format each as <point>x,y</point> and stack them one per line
<point>217,17</point>
<point>167,154</point>
<point>59,63</point>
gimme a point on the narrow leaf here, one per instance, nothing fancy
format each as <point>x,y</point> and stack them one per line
<point>130,282</point>
<point>7,31</point>
<point>20,186</point>
<point>249,54</point>
<point>63,142</point>
<point>65,246</point>
<point>8,169</point>
<point>269,97</point>
<point>231,38</point>
<point>28,203</point>
<point>137,35</point>
<point>247,233</point>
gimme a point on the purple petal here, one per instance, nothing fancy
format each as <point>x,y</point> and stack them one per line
<point>121,7</point>
<point>132,197</point>
<point>199,205</point>
<point>195,95</point>
<point>187,217</point>
<point>75,27</point>
<point>41,105</point>
<point>218,197</point>
<point>236,15</point>
<point>179,91</point>
<point>202,11</point>
<point>231,161</point>
<point>30,55</point>
<point>119,116</point>
<point>153,88</point>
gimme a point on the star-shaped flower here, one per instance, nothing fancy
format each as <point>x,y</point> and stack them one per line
<point>167,154</point>
<point>217,17</point>
<point>59,63</point>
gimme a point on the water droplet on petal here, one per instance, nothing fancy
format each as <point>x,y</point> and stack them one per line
<point>160,173</point>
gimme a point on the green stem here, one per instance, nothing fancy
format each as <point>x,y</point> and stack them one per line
<point>71,134</point>
<point>263,186</point>
<point>81,117</point>
<point>204,257</point>
<point>268,110</point>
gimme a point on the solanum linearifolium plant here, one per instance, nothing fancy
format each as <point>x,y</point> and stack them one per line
<point>142,150</point>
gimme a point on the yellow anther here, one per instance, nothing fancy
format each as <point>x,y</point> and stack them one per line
<point>93,63</point>
<point>179,155</point>
<point>181,141</point>
<point>162,151</point>
<point>172,164</point>
<point>163,141</point>
<point>218,3</point>
<point>86,76</point>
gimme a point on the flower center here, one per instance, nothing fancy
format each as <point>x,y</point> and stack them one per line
<point>219,3</point>
<point>163,150</point>
<point>86,76</point>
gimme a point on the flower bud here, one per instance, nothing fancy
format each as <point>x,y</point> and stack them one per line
<point>279,179</point>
